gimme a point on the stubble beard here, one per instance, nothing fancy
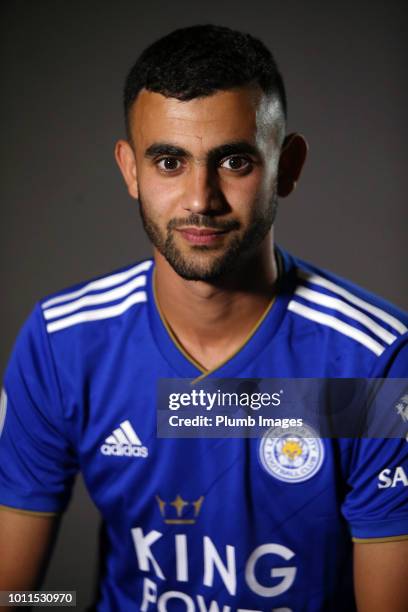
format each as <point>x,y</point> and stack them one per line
<point>199,265</point>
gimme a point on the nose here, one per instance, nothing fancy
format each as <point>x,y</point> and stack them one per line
<point>202,192</point>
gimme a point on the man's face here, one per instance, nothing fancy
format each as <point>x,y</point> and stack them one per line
<point>206,177</point>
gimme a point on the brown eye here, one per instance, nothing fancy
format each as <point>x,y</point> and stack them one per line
<point>169,164</point>
<point>236,163</point>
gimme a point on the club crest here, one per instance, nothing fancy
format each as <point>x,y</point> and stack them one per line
<point>293,455</point>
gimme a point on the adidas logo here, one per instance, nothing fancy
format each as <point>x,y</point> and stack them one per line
<point>124,441</point>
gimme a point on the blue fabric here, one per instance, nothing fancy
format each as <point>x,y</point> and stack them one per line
<point>194,521</point>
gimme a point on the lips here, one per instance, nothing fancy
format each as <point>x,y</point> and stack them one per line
<point>201,235</point>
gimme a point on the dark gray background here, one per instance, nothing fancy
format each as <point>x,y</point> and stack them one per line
<point>66,215</point>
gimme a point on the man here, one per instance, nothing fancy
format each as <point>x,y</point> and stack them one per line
<point>203,524</point>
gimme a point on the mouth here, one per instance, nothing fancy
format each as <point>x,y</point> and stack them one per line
<point>205,236</point>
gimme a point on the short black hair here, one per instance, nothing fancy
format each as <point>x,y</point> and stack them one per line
<point>199,60</point>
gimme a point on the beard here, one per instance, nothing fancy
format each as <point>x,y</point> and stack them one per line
<point>202,262</point>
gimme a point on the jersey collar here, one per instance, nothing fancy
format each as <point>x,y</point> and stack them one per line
<point>260,337</point>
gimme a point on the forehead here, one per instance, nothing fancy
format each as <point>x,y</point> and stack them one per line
<point>205,122</point>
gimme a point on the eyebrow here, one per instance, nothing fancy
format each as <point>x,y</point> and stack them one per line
<point>163,148</point>
<point>241,147</point>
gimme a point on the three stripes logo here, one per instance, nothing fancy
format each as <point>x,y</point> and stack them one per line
<point>124,442</point>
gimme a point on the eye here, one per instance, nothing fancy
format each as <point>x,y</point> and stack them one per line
<point>168,164</point>
<point>237,163</point>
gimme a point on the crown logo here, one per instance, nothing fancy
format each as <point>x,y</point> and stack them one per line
<point>180,511</point>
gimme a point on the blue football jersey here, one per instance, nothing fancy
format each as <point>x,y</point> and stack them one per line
<point>204,524</point>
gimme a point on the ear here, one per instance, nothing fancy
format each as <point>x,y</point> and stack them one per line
<point>126,161</point>
<point>293,155</point>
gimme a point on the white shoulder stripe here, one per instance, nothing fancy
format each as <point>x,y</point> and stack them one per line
<point>96,298</point>
<point>340,326</point>
<point>98,314</point>
<point>3,409</point>
<point>101,283</point>
<point>378,312</point>
<point>350,311</point>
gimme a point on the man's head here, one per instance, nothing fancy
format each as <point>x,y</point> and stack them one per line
<point>205,112</point>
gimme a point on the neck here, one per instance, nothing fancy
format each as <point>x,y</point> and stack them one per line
<point>212,320</point>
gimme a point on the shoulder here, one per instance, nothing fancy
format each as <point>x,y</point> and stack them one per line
<point>344,316</point>
<point>99,299</point>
